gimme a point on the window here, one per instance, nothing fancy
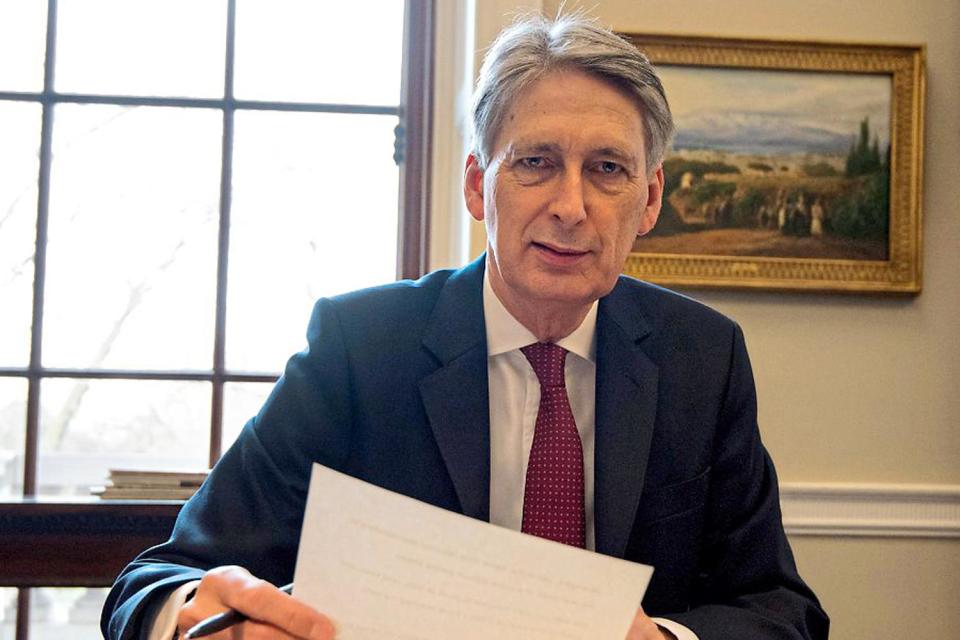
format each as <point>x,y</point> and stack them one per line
<point>180,181</point>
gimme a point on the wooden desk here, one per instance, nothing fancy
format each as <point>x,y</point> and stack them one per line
<point>57,542</point>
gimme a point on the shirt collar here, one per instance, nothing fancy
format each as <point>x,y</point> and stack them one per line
<point>505,333</point>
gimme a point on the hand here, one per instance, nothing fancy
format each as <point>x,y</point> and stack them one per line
<point>643,628</point>
<point>271,612</point>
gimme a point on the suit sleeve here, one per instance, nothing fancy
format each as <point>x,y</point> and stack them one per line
<point>250,509</point>
<point>748,586</point>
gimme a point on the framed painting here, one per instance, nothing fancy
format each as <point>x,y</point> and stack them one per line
<point>795,166</point>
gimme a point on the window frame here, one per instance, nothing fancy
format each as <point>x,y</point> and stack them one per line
<point>412,154</point>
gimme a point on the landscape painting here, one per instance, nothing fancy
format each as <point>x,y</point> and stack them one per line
<point>795,165</point>
<point>777,164</point>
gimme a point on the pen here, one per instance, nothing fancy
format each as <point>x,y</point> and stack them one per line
<point>221,621</point>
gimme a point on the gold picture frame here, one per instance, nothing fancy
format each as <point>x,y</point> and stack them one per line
<point>774,195</point>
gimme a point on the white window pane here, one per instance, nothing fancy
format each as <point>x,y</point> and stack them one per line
<point>314,214</point>
<point>23,27</point>
<point>241,401</point>
<point>8,612</point>
<point>131,259</point>
<point>170,48</point>
<point>71,612</point>
<point>13,421</point>
<point>19,145</point>
<point>309,51</point>
<point>90,426</point>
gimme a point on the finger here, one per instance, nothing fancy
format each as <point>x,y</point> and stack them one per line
<point>252,630</point>
<point>643,628</point>
<point>207,600</point>
<point>235,588</point>
<point>294,629</point>
<point>264,603</point>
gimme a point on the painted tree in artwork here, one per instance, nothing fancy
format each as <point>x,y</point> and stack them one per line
<point>864,157</point>
<point>865,213</point>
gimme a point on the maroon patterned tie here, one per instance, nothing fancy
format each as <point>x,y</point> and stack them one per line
<point>553,496</point>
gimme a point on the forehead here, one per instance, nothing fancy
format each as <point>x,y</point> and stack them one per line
<point>570,106</point>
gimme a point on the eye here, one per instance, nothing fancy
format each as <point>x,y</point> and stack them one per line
<point>609,167</point>
<point>533,162</point>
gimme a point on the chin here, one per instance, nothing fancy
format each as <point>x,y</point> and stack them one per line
<point>557,293</point>
<point>572,289</point>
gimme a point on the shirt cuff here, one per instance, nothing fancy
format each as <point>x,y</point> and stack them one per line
<point>165,622</point>
<point>675,628</point>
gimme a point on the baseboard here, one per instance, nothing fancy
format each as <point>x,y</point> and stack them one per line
<point>876,510</point>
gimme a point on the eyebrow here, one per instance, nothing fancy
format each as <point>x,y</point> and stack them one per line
<point>537,147</point>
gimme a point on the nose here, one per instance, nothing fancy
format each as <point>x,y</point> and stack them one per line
<point>568,205</point>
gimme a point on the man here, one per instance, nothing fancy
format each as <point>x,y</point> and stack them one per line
<point>436,388</point>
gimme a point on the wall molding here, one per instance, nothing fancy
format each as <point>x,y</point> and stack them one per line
<point>875,510</point>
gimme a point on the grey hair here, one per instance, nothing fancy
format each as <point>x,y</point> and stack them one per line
<point>535,45</point>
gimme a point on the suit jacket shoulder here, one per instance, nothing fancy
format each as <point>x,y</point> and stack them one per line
<point>351,401</point>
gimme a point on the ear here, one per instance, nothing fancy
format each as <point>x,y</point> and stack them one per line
<point>654,201</point>
<point>473,187</point>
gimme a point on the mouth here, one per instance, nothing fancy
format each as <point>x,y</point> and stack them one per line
<point>559,255</point>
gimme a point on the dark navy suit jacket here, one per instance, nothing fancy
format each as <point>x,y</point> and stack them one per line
<point>393,390</point>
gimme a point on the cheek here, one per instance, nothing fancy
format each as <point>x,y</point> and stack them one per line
<point>624,231</point>
<point>618,255</point>
<point>509,213</point>
<point>491,209</point>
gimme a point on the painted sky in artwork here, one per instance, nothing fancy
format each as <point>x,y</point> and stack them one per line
<point>775,112</point>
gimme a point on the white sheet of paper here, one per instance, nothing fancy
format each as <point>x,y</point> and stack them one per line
<point>383,565</point>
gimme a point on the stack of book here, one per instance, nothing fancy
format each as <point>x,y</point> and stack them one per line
<point>126,484</point>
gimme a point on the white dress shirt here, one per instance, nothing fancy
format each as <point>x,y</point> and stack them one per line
<point>514,393</point>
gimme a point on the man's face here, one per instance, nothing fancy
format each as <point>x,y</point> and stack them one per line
<point>565,193</point>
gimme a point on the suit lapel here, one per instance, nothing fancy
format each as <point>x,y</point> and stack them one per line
<point>626,404</point>
<point>455,396</point>
<point>626,408</point>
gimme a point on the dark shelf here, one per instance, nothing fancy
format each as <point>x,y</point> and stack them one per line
<point>57,542</point>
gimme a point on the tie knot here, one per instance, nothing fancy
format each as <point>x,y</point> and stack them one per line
<point>547,360</point>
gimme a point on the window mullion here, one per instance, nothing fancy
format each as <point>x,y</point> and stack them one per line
<point>40,262</point>
<point>32,436</point>
<point>226,179</point>
<point>23,615</point>
<point>416,124</point>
